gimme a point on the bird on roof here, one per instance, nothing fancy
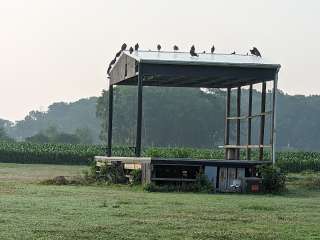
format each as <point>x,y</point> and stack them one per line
<point>159,47</point>
<point>131,50</point>
<point>175,48</point>
<point>234,52</point>
<point>212,49</point>
<point>109,69</point>
<point>123,47</point>
<point>113,61</point>
<point>136,47</point>
<point>193,52</point>
<point>118,53</point>
<point>255,52</point>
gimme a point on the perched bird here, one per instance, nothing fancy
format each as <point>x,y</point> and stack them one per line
<point>193,52</point>
<point>175,48</point>
<point>255,52</point>
<point>109,69</point>
<point>123,47</point>
<point>204,52</point>
<point>136,47</point>
<point>234,52</point>
<point>113,61</point>
<point>131,50</point>
<point>118,53</point>
<point>159,47</point>
<point>212,49</point>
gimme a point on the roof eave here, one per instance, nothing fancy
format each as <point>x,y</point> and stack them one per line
<point>260,65</point>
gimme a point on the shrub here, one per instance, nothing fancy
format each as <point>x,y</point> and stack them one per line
<point>136,176</point>
<point>113,173</point>
<point>273,180</point>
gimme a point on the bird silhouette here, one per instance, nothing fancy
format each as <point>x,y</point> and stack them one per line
<point>204,52</point>
<point>113,61</point>
<point>234,52</point>
<point>136,47</point>
<point>193,51</point>
<point>159,47</point>
<point>118,53</point>
<point>212,49</point>
<point>123,47</point>
<point>255,52</point>
<point>175,48</point>
<point>109,69</point>
<point>131,50</point>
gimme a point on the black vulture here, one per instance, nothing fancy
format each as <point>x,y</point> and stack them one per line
<point>136,47</point>
<point>212,49</point>
<point>193,52</point>
<point>123,47</point>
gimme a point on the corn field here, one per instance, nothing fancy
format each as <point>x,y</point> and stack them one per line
<point>10,152</point>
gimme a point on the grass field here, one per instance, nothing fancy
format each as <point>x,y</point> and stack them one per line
<point>29,210</point>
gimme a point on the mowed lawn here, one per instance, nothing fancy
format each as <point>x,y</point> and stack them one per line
<point>29,210</point>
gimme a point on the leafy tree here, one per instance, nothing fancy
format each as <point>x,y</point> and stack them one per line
<point>84,135</point>
<point>38,138</point>
<point>4,136</point>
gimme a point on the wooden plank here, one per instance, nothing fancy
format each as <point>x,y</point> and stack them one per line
<point>227,123</point>
<point>139,114</point>
<point>132,166</point>
<point>252,116</point>
<point>262,120</point>
<point>248,152</point>
<point>238,121</point>
<point>247,146</point>
<point>174,179</point>
<point>223,179</point>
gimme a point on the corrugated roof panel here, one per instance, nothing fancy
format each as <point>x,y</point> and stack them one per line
<point>203,59</point>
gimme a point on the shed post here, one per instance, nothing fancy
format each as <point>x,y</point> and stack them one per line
<point>249,123</point>
<point>139,114</point>
<point>274,111</point>
<point>110,117</point>
<point>227,121</point>
<point>262,119</point>
<point>238,121</point>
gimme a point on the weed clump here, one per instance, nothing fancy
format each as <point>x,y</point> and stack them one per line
<point>273,179</point>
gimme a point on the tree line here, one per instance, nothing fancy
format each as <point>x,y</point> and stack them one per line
<point>176,117</point>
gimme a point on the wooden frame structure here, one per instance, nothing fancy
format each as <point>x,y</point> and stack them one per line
<point>178,69</point>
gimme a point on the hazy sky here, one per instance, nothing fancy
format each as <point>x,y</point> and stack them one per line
<point>58,50</point>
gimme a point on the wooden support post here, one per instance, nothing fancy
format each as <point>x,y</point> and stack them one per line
<point>227,121</point>
<point>262,119</point>
<point>273,127</point>
<point>249,123</point>
<point>238,121</point>
<point>139,114</point>
<point>110,117</point>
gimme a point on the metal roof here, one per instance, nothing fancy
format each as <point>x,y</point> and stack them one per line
<point>180,69</point>
<point>183,58</point>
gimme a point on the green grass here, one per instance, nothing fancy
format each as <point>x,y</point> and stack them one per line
<point>34,211</point>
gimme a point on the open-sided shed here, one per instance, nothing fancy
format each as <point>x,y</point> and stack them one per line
<point>180,69</point>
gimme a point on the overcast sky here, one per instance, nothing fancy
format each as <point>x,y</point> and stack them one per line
<point>58,50</point>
